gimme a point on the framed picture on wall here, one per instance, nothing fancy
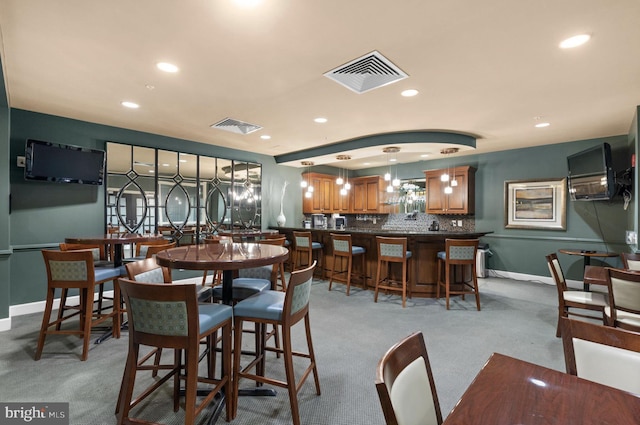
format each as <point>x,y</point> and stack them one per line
<point>535,204</point>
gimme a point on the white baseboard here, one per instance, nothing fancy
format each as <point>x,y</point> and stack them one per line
<point>5,324</point>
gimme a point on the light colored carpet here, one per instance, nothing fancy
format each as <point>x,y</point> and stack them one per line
<point>350,334</point>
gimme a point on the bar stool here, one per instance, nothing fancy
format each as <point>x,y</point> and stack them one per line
<point>75,270</point>
<point>392,250</point>
<point>303,247</point>
<point>343,248</point>
<point>461,253</point>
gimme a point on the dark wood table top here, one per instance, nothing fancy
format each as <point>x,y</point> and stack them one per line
<point>224,256</point>
<point>510,391</point>
<point>114,238</point>
<point>588,253</point>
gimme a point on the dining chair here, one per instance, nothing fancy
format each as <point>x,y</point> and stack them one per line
<point>75,270</point>
<point>623,310</point>
<point>149,249</point>
<point>405,384</point>
<point>392,250</point>
<point>169,316</point>
<point>630,261</point>
<point>282,309</point>
<point>609,356</point>
<point>303,248</point>
<point>458,255</point>
<point>344,249</point>
<point>568,300</point>
<point>278,269</point>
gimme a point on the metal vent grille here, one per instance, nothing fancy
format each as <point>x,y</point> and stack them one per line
<point>367,73</point>
<point>235,126</point>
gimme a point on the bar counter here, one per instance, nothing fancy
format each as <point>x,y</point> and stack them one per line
<point>424,247</point>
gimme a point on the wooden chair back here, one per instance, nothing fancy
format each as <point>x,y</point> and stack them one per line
<point>296,300</point>
<point>342,245</point>
<point>602,354</point>
<point>148,271</point>
<point>556,273</point>
<point>405,384</point>
<point>152,250</point>
<point>99,252</point>
<point>461,251</point>
<point>142,247</point>
<point>624,298</point>
<point>393,250</point>
<point>630,261</point>
<point>70,269</point>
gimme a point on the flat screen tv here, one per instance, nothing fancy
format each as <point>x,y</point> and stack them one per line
<point>591,177</point>
<point>54,162</point>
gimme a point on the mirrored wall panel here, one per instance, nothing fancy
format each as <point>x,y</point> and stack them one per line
<point>183,196</point>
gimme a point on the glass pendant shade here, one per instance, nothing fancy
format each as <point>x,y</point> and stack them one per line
<point>339,180</point>
<point>310,189</point>
<point>454,182</point>
<point>387,177</point>
<point>448,190</point>
<point>347,186</point>
<point>444,177</point>
<point>390,188</point>
<point>303,183</point>
<point>308,194</point>
<point>343,191</point>
<point>396,182</point>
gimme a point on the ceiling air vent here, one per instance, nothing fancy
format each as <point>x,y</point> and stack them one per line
<point>235,126</point>
<point>367,73</point>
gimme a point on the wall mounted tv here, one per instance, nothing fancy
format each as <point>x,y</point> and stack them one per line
<point>53,162</point>
<point>591,177</point>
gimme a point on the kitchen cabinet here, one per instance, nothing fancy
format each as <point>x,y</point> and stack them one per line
<point>320,201</point>
<point>460,201</point>
<point>341,203</point>
<point>368,195</point>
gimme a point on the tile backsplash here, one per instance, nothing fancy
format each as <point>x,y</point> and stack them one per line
<point>403,222</point>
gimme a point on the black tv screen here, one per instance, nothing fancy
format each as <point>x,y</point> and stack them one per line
<point>53,162</point>
<point>590,174</point>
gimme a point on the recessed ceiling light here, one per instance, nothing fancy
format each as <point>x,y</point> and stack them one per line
<point>320,120</point>
<point>542,125</point>
<point>165,165</point>
<point>150,86</point>
<point>265,137</point>
<point>392,160</point>
<point>248,3</point>
<point>575,41</point>
<point>182,160</point>
<point>128,104</point>
<point>167,67</point>
<point>424,155</point>
<point>409,93</point>
<point>366,163</point>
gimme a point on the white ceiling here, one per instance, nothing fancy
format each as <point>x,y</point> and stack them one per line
<point>483,68</point>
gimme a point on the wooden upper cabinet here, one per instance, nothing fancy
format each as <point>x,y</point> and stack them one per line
<point>340,203</point>
<point>367,195</point>
<point>322,197</point>
<point>460,201</point>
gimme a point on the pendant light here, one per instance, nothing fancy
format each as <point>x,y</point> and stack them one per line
<point>387,177</point>
<point>340,180</point>
<point>307,184</point>
<point>451,182</point>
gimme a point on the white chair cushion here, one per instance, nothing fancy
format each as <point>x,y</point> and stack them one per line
<point>411,396</point>
<point>585,298</point>
<point>608,365</point>
<point>624,317</point>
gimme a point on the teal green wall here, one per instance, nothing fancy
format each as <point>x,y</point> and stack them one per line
<point>5,224</point>
<point>43,214</point>
<point>598,225</point>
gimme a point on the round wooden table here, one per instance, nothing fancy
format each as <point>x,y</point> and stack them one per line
<point>117,240</point>
<point>225,256</point>
<point>586,255</point>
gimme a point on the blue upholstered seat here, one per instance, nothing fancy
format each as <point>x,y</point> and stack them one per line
<point>264,305</point>
<point>212,315</point>
<point>108,273</point>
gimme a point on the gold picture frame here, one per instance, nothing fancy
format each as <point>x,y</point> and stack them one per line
<point>535,204</point>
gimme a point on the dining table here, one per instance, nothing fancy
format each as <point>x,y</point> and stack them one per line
<point>587,255</point>
<point>227,257</point>
<point>116,240</point>
<point>512,391</point>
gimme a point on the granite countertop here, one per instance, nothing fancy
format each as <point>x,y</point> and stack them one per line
<point>390,232</point>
